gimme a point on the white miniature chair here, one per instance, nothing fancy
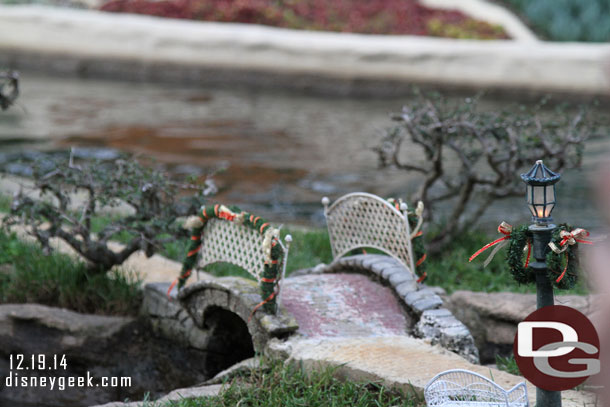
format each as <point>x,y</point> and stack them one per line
<point>462,388</point>
<point>361,220</point>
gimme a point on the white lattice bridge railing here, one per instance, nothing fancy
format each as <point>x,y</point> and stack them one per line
<point>228,235</point>
<point>230,242</point>
<point>361,220</point>
<point>462,388</point>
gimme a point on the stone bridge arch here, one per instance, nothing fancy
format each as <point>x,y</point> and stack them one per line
<point>212,316</point>
<point>225,304</point>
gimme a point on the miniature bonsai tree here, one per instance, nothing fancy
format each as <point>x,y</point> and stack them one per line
<point>91,204</point>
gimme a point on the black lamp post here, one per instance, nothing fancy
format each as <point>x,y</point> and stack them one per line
<point>540,196</point>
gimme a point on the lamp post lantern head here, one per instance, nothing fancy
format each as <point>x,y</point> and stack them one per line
<point>540,192</point>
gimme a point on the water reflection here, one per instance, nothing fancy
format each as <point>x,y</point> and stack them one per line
<point>281,151</point>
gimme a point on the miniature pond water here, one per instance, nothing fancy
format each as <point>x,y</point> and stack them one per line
<point>281,151</point>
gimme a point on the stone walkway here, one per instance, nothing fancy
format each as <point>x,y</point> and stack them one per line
<point>343,305</point>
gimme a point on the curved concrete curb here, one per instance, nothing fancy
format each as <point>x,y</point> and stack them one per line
<point>141,47</point>
<point>435,323</point>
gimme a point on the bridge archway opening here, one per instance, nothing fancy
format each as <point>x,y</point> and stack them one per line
<point>230,341</point>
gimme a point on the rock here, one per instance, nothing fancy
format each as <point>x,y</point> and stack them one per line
<point>96,153</point>
<point>492,318</point>
<point>102,345</point>
<point>192,392</point>
<point>422,300</point>
<point>404,288</point>
<point>237,369</point>
<point>439,326</point>
<point>170,319</point>
<point>401,277</point>
<point>176,395</point>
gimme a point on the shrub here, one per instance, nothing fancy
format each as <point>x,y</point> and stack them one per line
<point>568,20</point>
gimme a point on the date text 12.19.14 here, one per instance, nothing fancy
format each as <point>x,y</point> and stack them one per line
<point>37,362</point>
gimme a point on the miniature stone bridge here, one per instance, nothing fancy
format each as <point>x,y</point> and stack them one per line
<point>366,315</point>
<point>361,296</point>
<point>355,296</point>
<point>363,315</point>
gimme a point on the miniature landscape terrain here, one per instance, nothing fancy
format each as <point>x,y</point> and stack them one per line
<point>164,174</point>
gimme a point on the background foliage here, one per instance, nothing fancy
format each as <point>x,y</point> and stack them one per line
<point>567,20</point>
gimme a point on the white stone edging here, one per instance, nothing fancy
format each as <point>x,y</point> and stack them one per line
<point>93,39</point>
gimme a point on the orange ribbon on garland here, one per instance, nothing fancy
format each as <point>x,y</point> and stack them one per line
<point>173,284</point>
<point>260,304</point>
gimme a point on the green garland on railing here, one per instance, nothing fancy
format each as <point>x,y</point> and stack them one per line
<point>562,260</point>
<point>234,214</point>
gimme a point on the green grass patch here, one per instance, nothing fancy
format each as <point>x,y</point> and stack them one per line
<point>452,271</point>
<point>290,386</point>
<point>27,275</point>
<point>508,364</point>
<point>5,203</point>
<point>309,248</point>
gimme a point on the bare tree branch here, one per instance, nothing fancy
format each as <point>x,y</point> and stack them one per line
<point>485,153</point>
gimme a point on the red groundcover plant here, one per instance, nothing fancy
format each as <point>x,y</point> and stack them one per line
<point>361,16</point>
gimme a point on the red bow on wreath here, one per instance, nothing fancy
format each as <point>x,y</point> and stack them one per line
<point>569,239</point>
<point>506,230</point>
